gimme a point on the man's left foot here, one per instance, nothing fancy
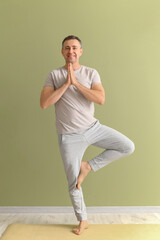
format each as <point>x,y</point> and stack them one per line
<point>82,226</point>
<point>84,170</point>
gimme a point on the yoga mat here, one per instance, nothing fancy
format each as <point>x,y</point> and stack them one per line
<point>19,231</point>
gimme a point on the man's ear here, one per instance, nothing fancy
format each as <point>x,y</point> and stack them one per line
<point>81,51</point>
<point>62,51</point>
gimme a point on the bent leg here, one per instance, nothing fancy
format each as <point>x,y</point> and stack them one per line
<point>116,146</point>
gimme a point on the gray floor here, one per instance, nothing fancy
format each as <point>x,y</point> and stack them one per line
<point>69,218</point>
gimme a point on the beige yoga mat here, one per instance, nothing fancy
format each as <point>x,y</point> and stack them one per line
<point>18,231</point>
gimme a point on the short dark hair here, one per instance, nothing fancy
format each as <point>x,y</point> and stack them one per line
<point>71,37</point>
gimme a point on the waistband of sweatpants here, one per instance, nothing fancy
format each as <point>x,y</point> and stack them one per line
<point>92,125</point>
<point>83,131</point>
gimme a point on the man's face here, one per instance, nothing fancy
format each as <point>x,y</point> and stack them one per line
<point>71,51</point>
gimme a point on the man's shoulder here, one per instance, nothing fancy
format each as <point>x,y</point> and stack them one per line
<point>88,68</point>
<point>89,71</point>
<point>58,70</point>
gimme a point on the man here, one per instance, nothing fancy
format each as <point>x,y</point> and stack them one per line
<point>74,89</point>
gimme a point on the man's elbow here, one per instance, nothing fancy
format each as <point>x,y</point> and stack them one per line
<point>42,105</point>
<point>102,101</point>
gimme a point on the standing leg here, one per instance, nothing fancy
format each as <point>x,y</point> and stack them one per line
<point>72,148</point>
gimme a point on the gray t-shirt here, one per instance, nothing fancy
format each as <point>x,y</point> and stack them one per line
<point>73,111</point>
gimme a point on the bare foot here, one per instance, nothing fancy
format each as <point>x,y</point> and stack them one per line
<point>84,170</point>
<point>81,227</point>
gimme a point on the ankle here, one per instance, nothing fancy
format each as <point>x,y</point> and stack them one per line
<point>84,221</point>
<point>89,166</point>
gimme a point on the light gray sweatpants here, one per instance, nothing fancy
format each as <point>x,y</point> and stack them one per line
<point>72,148</point>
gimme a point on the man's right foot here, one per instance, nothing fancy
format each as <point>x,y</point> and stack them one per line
<point>81,227</point>
<point>84,170</point>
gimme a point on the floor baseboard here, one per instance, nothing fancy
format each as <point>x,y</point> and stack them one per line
<point>94,209</point>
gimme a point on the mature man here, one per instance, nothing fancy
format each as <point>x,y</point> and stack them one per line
<point>74,89</point>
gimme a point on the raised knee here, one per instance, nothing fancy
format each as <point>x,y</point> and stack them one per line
<point>130,148</point>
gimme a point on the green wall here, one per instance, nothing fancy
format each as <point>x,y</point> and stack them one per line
<point>121,40</point>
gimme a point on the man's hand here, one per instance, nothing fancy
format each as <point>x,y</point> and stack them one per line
<point>71,74</point>
<point>68,77</point>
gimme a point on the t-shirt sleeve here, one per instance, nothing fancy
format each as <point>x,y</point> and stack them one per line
<point>95,77</point>
<point>49,81</point>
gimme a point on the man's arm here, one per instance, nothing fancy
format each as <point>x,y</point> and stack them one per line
<point>49,96</point>
<point>95,94</point>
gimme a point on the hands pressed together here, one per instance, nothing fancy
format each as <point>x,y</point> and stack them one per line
<point>71,79</point>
